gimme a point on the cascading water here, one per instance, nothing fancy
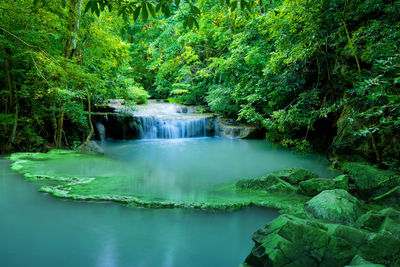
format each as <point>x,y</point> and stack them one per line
<point>169,121</point>
<point>102,131</point>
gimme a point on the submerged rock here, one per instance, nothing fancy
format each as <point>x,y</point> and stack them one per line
<point>335,206</point>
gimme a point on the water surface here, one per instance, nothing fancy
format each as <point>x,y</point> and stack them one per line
<point>39,230</point>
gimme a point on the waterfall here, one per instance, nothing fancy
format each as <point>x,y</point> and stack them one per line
<point>102,131</point>
<point>169,128</point>
<point>169,121</point>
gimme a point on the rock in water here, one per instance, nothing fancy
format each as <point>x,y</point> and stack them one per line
<point>294,241</point>
<point>92,148</point>
<point>314,186</point>
<point>335,206</point>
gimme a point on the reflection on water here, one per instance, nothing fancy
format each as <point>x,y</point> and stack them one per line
<point>40,230</point>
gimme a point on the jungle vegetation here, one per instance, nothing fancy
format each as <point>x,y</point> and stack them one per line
<point>315,74</point>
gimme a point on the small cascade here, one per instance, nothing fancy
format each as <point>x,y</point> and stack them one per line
<point>169,121</point>
<point>101,130</point>
<point>171,128</point>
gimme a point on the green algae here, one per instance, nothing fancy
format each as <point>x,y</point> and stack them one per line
<point>98,186</point>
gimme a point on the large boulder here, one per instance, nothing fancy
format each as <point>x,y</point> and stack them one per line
<point>367,178</point>
<point>287,240</point>
<point>383,221</point>
<point>335,206</point>
<point>293,241</point>
<point>314,186</point>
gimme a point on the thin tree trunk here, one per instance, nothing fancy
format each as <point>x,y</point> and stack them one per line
<point>91,126</point>
<point>71,24</point>
<point>74,41</point>
<point>60,130</point>
<point>9,101</point>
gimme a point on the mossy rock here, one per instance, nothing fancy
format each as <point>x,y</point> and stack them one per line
<point>294,175</point>
<point>367,178</point>
<point>360,262</point>
<point>267,183</point>
<point>314,186</point>
<point>286,240</point>
<point>335,206</point>
<point>383,221</point>
<point>293,241</point>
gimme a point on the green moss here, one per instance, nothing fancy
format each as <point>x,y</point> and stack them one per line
<point>273,193</point>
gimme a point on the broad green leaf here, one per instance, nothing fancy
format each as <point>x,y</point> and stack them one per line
<point>145,14</point>
<point>136,13</point>
<point>151,9</point>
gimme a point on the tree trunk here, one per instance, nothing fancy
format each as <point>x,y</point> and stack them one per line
<point>60,130</point>
<point>8,65</point>
<point>91,126</point>
<point>74,41</point>
<point>70,29</point>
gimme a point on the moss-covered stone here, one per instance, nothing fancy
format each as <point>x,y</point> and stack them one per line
<point>268,183</point>
<point>360,262</point>
<point>367,178</point>
<point>383,221</point>
<point>294,175</point>
<point>335,206</point>
<point>293,241</point>
<point>314,186</point>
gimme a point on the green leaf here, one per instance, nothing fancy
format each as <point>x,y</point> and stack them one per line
<point>196,23</point>
<point>89,6</point>
<point>190,22</point>
<point>136,13</point>
<point>145,14</point>
<point>151,10</point>
<point>185,22</point>
<point>234,5</point>
<point>96,9</point>
<point>158,7</point>
<point>177,2</point>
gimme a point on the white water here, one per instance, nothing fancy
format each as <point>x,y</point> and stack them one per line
<point>169,121</point>
<point>102,131</point>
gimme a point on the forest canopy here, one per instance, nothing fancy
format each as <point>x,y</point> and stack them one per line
<point>315,75</point>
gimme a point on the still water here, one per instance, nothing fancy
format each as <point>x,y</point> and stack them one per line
<point>40,230</point>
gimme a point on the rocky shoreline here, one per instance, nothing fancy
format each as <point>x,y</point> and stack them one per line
<point>352,220</point>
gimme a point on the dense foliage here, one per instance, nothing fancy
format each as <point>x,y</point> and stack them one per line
<point>309,72</point>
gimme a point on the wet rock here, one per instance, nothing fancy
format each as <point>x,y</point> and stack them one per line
<point>286,240</point>
<point>384,221</point>
<point>359,261</point>
<point>373,184</point>
<point>335,206</point>
<point>92,148</point>
<point>314,186</point>
<point>267,183</point>
<point>294,241</point>
<point>294,175</point>
<point>367,178</point>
